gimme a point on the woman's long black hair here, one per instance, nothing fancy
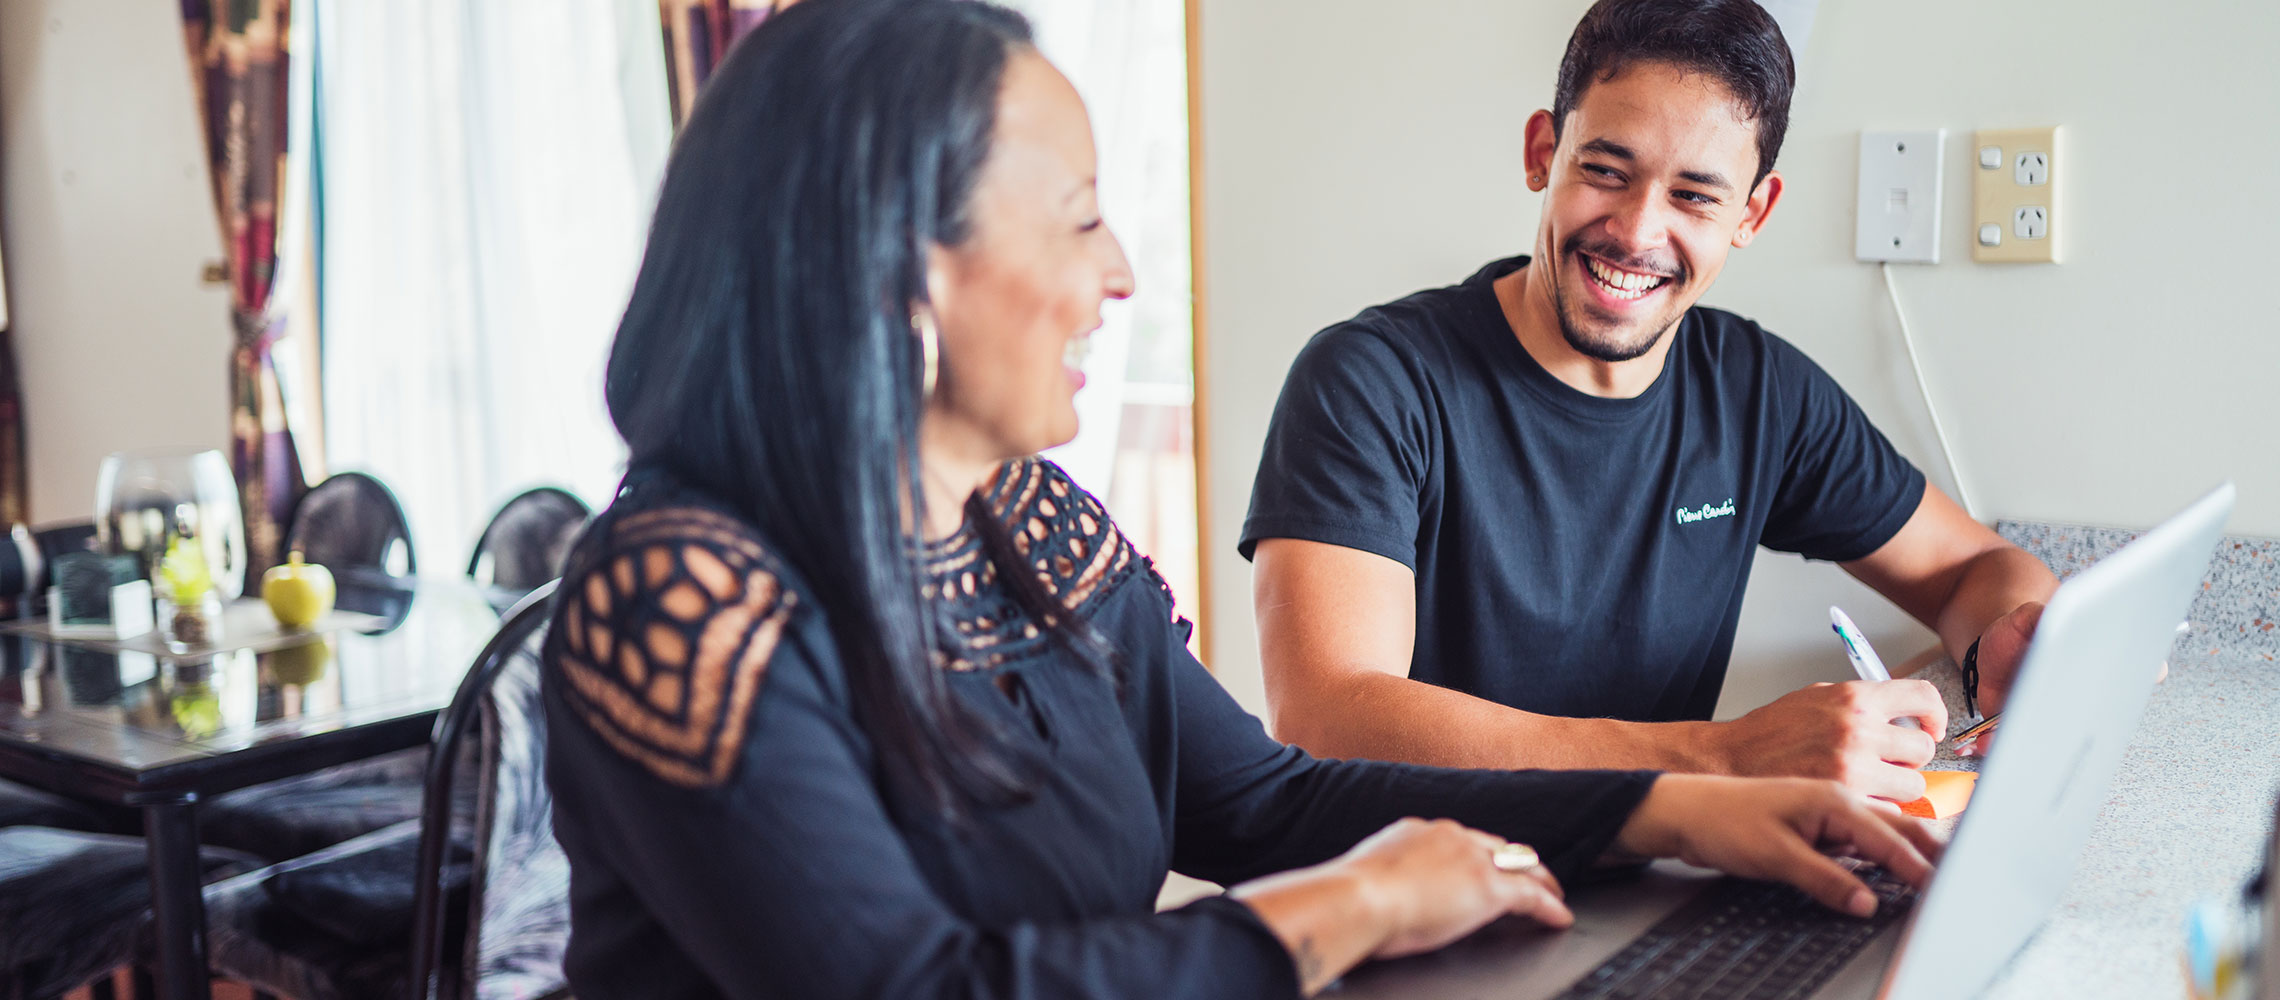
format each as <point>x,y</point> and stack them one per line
<point>767,356</point>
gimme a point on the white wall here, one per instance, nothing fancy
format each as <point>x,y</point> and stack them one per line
<point>1355,151</point>
<point>108,219</point>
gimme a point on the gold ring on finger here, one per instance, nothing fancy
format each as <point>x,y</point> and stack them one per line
<point>1514,858</point>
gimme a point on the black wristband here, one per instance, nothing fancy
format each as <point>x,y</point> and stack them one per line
<point>1971,679</point>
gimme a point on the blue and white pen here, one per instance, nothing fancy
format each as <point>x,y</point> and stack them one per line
<point>1865,662</point>
<point>1863,657</point>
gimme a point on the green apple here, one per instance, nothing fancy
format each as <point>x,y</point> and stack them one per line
<point>303,664</point>
<point>298,593</point>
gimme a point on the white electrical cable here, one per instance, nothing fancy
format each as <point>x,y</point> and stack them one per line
<point>1955,471</point>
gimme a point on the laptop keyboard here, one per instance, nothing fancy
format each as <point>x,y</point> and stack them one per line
<point>1743,940</point>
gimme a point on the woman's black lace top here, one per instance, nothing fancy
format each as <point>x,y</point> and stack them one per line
<point>729,834</point>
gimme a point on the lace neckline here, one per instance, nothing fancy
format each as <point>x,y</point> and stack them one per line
<point>950,554</point>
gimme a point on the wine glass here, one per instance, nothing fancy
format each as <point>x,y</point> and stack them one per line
<point>144,500</point>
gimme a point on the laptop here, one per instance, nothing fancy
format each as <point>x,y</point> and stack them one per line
<point>1675,934</point>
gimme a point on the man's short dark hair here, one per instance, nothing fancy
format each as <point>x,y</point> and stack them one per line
<point>1733,41</point>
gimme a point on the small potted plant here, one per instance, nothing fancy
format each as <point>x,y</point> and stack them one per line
<point>191,615</point>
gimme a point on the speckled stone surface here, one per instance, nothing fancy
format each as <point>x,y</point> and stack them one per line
<point>2192,808</point>
<point>2239,606</point>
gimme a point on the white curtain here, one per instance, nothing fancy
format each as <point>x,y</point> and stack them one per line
<point>1127,59</point>
<point>486,174</point>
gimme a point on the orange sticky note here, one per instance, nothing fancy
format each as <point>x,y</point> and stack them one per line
<point>1945,794</point>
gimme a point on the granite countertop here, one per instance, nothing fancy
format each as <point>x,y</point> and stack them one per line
<point>2193,806</point>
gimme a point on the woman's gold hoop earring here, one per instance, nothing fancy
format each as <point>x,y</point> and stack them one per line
<point>929,351</point>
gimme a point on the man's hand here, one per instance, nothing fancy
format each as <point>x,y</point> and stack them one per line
<point>1841,732</point>
<point>2002,647</point>
<point>1965,582</point>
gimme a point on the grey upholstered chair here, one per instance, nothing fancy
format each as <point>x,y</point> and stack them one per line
<point>294,817</point>
<point>73,905</point>
<point>452,905</point>
<point>70,897</point>
<point>21,806</point>
<point>528,539</point>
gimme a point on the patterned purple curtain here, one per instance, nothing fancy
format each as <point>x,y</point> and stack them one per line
<point>697,34</point>
<point>238,71</point>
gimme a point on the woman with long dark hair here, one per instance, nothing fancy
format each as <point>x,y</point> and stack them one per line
<point>852,697</point>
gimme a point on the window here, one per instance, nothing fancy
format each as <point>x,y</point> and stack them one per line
<point>486,173</point>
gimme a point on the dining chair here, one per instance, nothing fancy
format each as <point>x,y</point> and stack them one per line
<point>58,537</point>
<point>51,540</point>
<point>74,905</point>
<point>73,896</point>
<point>464,903</point>
<point>294,817</point>
<point>21,805</point>
<point>528,539</point>
<point>31,870</point>
<point>351,522</point>
<point>352,525</point>
<point>24,806</point>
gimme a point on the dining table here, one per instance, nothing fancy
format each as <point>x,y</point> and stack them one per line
<point>133,724</point>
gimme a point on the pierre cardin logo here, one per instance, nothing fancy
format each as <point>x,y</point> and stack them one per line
<point>1689,515</point>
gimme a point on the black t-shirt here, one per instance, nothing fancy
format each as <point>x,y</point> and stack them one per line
<point>1575,555</point>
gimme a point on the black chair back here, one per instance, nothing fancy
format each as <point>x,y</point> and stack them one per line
<point>60,537</point>
<point>528,539</point>
<point>517,915</point>
<point>352,523</point>
<point>55,540</point>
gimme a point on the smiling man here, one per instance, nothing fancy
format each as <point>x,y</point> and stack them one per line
<point>1508,523</point>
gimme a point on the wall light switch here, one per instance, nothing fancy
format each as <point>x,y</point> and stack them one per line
<point>1898,205</point>
<point>2018,199</point>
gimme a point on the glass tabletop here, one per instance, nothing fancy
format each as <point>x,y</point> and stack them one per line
<point>133,711</point>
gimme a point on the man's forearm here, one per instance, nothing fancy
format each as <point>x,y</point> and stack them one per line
<point>1379,716</point>
<point>1994,584</point>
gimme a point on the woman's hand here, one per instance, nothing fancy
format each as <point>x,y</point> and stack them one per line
<point>1412,887</point>
<point>1784,829</point>
<point>1436,881</point>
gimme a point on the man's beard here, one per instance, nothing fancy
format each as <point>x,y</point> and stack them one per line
<point>1606,349</point>
<point>1600,347</point>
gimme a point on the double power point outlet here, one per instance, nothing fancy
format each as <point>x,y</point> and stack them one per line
<point>2014,203</point>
